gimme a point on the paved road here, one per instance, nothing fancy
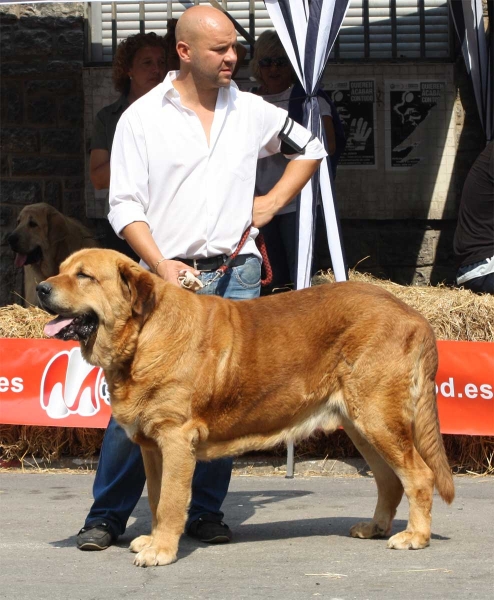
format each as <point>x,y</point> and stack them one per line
<point>290,543</point>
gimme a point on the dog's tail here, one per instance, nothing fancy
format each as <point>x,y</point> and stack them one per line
<point>427,436</point>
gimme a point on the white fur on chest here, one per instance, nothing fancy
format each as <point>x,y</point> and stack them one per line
<point>131,429</point>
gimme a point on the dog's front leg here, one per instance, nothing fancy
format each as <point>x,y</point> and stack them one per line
<point>153,467</point>
<point>178,463</point>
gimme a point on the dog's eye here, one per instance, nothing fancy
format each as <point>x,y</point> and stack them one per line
<point>82,275</point>
<point>32,224</point>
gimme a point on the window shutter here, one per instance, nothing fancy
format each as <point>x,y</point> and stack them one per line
<point>373,29</point>
<point>395,29</point>
<point>157,13</point>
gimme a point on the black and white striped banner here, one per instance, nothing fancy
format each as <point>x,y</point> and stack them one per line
<point>307,30</point>
<point>478,55</point>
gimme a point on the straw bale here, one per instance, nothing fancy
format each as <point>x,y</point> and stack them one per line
<point>25,323</point>
<point>454,314</point>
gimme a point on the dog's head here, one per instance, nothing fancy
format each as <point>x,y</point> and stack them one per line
<point>103,298</point>
<point>38,226</point>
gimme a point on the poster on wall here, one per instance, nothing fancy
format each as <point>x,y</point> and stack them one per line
<point>355,103</point>
<point>413,111</point>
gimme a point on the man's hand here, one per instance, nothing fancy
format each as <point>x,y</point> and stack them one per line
<point>169,270</point>
<point>265,208</point>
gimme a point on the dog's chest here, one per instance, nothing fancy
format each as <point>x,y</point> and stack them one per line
<point>131,429</point>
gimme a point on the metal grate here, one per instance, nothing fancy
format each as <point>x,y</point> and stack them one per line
<point>372,29</point>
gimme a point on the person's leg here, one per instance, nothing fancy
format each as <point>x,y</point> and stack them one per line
<point>211,480</point>
<point>117,486</point>
<point>322,255</point>
<point>481,285</point>
<point>288,234</point>
<point>275,248</point>
<point>480,282</point>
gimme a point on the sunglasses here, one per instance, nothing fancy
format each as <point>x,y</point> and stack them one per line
<point>281,61</point>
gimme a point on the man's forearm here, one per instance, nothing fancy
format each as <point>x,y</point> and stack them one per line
<point>296,175</point>
<point>139,238</point>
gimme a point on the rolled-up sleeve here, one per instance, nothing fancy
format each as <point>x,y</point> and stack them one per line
<point>273,122</point>
<point>129,195</point>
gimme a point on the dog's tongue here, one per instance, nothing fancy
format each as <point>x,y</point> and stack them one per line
<point>20,259</point>
<point>53,327</point>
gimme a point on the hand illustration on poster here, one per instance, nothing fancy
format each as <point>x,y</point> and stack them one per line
<point>358,135</point>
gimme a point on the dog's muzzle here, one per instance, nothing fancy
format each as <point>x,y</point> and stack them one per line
<point>78,328</point>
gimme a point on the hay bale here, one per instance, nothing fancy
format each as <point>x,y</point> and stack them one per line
<point>455,314</point>
<point>19,322</point>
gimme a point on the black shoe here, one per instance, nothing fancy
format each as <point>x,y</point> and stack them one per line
<point>209,531</point>
<point>95,537</point>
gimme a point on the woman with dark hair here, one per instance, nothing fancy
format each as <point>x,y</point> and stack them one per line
<point>138,66</point>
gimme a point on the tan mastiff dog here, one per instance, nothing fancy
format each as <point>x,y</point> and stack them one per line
<point>42,239</point>
<point>199,377</point>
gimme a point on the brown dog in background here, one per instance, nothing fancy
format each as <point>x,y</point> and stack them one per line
<point>42,240</point>
<point>199,377</point>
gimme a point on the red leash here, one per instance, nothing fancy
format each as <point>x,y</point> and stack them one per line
<point>261,245</point>
<point>266,265</point>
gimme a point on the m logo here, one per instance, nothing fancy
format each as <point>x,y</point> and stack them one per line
<point>71,386</point>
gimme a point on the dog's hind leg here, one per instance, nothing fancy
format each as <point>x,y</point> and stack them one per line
<point>153,467</point>
<point>394,442</point>
<point>389,489</point>
<point>178,462</point>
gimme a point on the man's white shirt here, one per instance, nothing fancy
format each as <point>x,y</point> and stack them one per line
<point>196,199</point>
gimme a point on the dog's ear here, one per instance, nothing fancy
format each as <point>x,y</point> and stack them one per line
<point>57,226</point>
<point>138,287</point>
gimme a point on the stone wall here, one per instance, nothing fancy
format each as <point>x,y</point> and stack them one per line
<point>42,118</point>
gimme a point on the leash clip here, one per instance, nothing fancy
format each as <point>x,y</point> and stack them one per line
<point>218,275</point>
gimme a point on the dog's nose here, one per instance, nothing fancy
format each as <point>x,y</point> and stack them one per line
<point>12,238</point>
<point>43,289</point>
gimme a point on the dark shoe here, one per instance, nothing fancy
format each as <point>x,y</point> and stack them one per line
<point>95,537</point>
<point>209,531</point>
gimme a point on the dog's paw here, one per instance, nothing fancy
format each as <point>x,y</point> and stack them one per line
<point>366,530</point>
<point>153,557</point>
<point>408,540</point>
<point>141,542</point>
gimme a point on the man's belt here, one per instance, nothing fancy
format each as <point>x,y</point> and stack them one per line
<point>213,263</point>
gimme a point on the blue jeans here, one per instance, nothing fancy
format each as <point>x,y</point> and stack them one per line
<point>120,476</point>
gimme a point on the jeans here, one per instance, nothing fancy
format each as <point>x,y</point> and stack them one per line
<point>120,476</point>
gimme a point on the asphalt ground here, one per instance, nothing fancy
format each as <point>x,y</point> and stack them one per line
<point>290,542</point>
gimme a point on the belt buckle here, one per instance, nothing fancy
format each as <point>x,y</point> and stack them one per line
<point>194,264</point>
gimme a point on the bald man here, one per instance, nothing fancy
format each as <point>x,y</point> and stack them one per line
<point>183,170</point>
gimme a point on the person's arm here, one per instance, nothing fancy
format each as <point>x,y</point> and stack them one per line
<point>296,175</point>
<point>327,123</point>
<point>99,169</point>
<point>139,238</point>
<point>99,159</point>
<point>129,198</point>
<point>298,171</point>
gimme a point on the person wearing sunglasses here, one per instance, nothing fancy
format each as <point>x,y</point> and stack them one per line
<point>271,68</point>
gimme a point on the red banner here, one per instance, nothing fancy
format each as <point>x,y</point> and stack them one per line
<point>47,382</point>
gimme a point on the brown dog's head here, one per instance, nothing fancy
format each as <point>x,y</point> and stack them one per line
<point>38,226</point>
<point>103,299</point>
